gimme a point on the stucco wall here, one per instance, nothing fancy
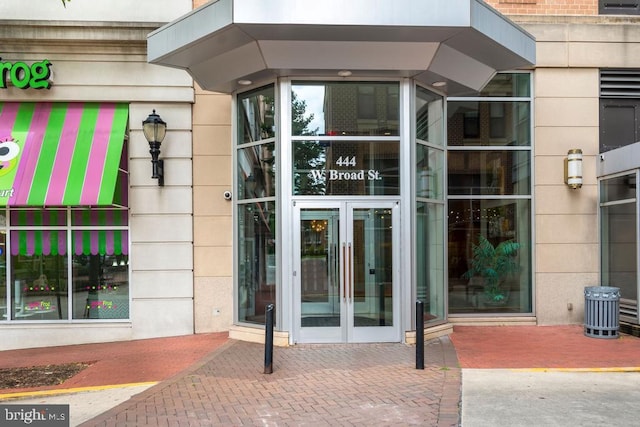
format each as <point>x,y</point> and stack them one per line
<point>570,52</point>
<point>212,215</point>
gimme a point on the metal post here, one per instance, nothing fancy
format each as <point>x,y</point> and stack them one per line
<point>268,341</point>
<point>419,335</point>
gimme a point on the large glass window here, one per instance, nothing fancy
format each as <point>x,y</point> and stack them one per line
<point>66,264</point>
<point>489,172</point>
<point>345,108</point>
<point>345,138</point>
<point>256,184</point>
<point>338,167</point>
<point>618,225</point>
<point>489,198</point>
<point>256,260</point>
<point>430,202</point>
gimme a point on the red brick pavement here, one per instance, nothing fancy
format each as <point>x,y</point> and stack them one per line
<point>118,362</point>
<point>315,385</point>
<point>210,380</point>
<point>542,347</point>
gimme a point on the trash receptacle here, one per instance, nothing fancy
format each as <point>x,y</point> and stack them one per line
<point>601,311</point>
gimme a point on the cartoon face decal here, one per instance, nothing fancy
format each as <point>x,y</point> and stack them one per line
<point>9,151</point>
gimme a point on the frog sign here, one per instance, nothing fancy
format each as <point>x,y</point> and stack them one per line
<point>24,76</point>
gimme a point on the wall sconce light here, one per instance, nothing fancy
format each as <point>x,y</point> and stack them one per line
<point>573,168</point>
<point>154,129</point>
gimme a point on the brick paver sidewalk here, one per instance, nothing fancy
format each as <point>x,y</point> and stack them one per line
<point>561,346</point>
<point>315,385</point>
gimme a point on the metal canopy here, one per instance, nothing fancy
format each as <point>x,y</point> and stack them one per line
<point>459,42</point>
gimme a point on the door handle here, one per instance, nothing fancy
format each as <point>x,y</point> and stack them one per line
<point>350,270</point>
<point>344,272</point>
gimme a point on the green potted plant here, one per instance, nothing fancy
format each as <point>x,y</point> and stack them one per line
<point>493,264</point>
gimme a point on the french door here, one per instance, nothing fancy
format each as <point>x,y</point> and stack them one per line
<point>346,271</point>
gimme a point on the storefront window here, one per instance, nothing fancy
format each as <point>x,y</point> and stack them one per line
<point>41,244</point>
<point>489,199</point>
<point>40,286</point>
<point>489,234</point>
<point>430,255</point>
<point>256,184</point>
<point>256,260</point>
<point>100,268</point>
<point>618,250</point>
<point>429,185</point>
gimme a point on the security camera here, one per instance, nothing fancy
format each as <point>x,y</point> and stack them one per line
<point>227,195</point>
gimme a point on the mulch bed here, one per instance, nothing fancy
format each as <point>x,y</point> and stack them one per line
<point>38,376</point>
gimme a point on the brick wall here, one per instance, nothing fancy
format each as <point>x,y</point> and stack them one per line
<point>546,7</point>
<point>527,7</point>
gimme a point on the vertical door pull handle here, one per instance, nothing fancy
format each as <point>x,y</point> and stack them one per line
<point>344,272</point>
<point>350,271</point>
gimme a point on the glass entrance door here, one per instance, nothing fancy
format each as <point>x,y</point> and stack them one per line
<point>346,272</point>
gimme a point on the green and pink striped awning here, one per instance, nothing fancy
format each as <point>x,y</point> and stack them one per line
<point>60,154</point>
<point>101,232</point>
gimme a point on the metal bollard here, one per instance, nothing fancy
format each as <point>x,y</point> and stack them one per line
<point>268,340</point>
<point>419,335</point>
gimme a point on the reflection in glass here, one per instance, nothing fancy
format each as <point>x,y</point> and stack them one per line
<point>372,267</point>
<point>39,275</point>
<point>489,172</point>
<point>256,115</point>
<point>497,221</point>
<point>345,108</point>
<point>256,260</point>
<point>100,286</point>
<point>256,171</point>
<point>429,117</point>
<point>319,268</point>
<point>472,123</point>
<point>429,172</point>
<point>619,253</point>
<point>345,168</point>
<point>618,188</point>
<point>38,217</point>
<point>430,259</point>
<point>506,84</point>
<point>102,217</point>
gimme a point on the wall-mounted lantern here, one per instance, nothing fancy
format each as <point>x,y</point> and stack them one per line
<point>154,129</point>
<point>573,168</point>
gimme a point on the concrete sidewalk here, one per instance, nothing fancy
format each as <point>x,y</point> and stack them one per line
<point>524,398</point>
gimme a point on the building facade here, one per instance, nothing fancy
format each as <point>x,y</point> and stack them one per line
<point>78,203</point>
<point>575,43</point>
<point>339,167</point>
